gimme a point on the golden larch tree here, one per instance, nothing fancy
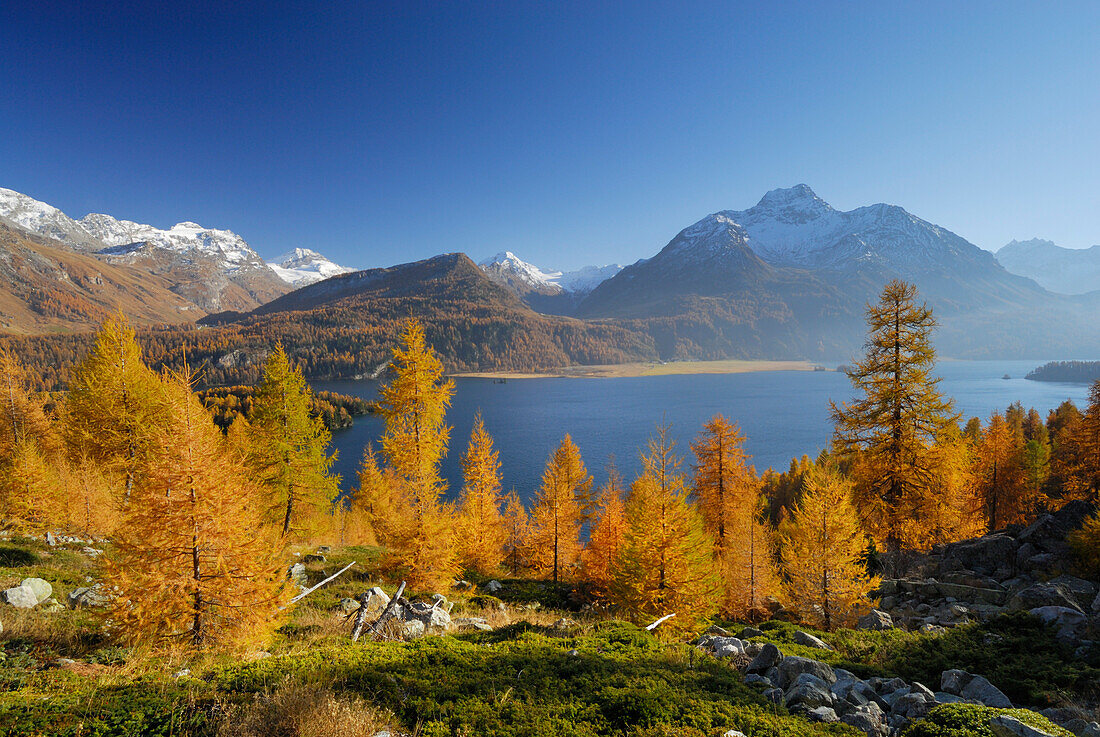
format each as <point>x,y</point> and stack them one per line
<point>194,567</point>
<point>998,475</point>
<point>22,416</point>
<point>91,507</point>
<point>374,497</point>
<point>821,552</point>
<point>414,404</point>
<point>554,544</point>
<point>605,538</point>
<point>665,565</point>
<point>480,526</point>
<point>886,431</point>
<point>517,524</point>
<point>115,405</point>
<point>31,499</point>
<point>957,512</point>
<point>288,445</point>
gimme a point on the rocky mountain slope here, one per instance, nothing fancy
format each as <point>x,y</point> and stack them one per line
<point>214,269</point>
<point>48,288</point>
<point>303,266</point>
<point>547,291</point>
<point>1063,270</point>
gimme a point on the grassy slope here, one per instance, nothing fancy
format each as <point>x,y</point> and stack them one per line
<point>521,679</point>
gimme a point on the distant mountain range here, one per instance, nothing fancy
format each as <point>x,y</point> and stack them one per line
<point>213,269</point>
<point>787,278</point>
<point>547,291</point>
<point>1064,270</point>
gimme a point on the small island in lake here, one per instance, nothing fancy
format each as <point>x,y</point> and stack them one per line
<point>1074,372</point>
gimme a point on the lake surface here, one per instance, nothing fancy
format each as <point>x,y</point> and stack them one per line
<point>784,414</point>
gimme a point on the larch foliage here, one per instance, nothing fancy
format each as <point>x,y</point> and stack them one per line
<point>91,507</point>
<point>665,565</point>
<point>194,567</point>
<point>414,404</point>
<point>1085,479</point>
<point>30,486</point>
<point>288,446</point>
<point>554,545</point>
<point>374,497</point>
<point>729,497</point>
<point>480,526</point>
<point>957,513</point>
<point>115,406</point>
<point>605,538</point>
<point>887,430</point>
<point>21,413</point>
<point>822,552</point>
<point>998,475</point>
<point>517,525</point>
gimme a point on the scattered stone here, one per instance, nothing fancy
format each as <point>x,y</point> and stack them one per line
<point>494,586</point>
<point>412,629</point>
<point>822,714</point>
<point>768,657</point>
<point>1006,726</point>
<point>954,681</point>
<point>792,667</point>
<point>314,558</point>
<point>563,624</point>
<point>808,640</point>
<point>51,539</point>
<point>573,653</point>
<point>751,632</point>
<point>876,619</point>
<point>461,585</point>
<point>324,549</point>
<point>347,606</point>
<point>297,575</point>
<point>91,552</point>
<point>984,692</point>
<point>716,631</point>
<point>1070,623</point>
<point>20,597</point>
<point>755,679</point>
<point>41,588</point>
<point>733,733</point>
<point>87,597</point>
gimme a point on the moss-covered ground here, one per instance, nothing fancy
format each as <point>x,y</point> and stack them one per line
<point>532,675</point>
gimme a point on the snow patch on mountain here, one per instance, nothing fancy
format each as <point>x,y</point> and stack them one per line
<point>303,266</point>
<point>38,217</point>
<point>508,269</point>
<point>795,227</point>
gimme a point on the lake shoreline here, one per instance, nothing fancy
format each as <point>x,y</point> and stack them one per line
<point>633,370</point>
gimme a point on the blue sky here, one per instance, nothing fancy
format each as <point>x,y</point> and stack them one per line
<point>569,133</point>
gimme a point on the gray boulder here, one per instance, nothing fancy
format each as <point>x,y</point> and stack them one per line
<point>791,668</point>
<point>984,692</point>
<point>822,714</point>
<point>1070,623</point>
<point>1043,595</point>
<point>413,628</point>
<point>297,575</point>
<point>809,692</point>
<point>983,555</point>
<point>20,597</point>
<point>867,718</point>
<point>768,657</point>
<point>876,619</point>
<point>725,647</point>
<point>41,588</point>
<point>954,681</point>
<point>1006,726</point>
<point>808,640</point>
<point>87,597</point>
<point>494,586</point>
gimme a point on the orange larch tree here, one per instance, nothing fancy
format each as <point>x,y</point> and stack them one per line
<point>193,566</point>
<point>556,519</point>
<point>605,539</point>
<point>480,525</point>
<point>518,526</point>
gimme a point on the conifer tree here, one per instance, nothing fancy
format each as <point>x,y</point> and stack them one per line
<point>288,445</point>
<point>558,513</point>
<point>999,475</point>
<point>21,414</point>
<point>957,512</point>
<point>665,565</point>
<point>194,567</point>
<point>518,527</point>
<point>724,487</point>
<point>821,553</point>
<point>750,580</point>
<point>888,429</point>
<point>30,491</point>
<point>605,539</point>
<point>92,509</point>
<point>1086,475</point>
<point>115,405</point>
<point>374,498</point>
<point>480,525</point>
<point>414,404</point>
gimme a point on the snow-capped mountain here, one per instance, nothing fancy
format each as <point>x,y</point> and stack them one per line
<point>509,270</point>
<point>302,267</point>
<point>38,217</point>
<point>1063,270</point>
<point>216,269</point>
<point>547,291</point>
<point>795,227</point>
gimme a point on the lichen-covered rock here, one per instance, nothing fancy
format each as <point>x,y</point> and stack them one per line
<point>1006,726</point>
<point>768,657</point>
<point>876,619</point>
<point>982,691</point>
<point>808,640</point>
<point>20,597</point>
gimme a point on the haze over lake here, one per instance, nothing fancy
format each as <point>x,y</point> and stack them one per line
<point>783,413</point>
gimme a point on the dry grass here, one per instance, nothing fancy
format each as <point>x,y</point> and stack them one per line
<point>304,711</point>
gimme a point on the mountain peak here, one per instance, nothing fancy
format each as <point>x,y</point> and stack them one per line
<point>797,198</point>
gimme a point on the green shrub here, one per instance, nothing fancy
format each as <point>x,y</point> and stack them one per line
<point>12,557</point>
<point>969,720</point>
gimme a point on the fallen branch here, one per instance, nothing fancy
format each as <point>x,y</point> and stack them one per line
<point>361,614</point>
<point>656,624</point>
<point>311,589</point>
<point>386,614</point>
